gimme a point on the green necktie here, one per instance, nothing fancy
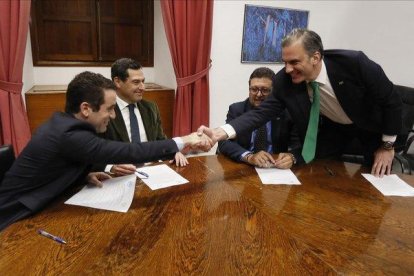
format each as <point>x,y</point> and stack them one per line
<point>309,146</point>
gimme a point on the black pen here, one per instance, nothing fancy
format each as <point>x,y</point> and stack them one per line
<point>50,236</point>
<point>330,172</point>
<point>142,173</point>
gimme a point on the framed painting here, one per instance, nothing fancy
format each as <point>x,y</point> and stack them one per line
<point>264,29</point>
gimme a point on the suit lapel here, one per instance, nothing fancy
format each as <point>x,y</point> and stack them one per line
<point>300,93</point>
<point>119,125</point>
<point>145,115</point>
<point>340,87</point>
<point>246,139</point>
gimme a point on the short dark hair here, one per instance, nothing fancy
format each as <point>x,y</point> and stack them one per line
<point>87,87</point>
<point>120,68</point>
<point>262,72</point>
<point>311,41</point>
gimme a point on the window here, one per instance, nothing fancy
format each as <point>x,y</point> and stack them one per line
<point>92,32</point>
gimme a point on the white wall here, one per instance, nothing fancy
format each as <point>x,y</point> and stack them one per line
<point>382,29</point>
<point>27,78</point>
<point>164,71</point>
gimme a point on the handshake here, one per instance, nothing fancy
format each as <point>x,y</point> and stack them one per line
<point>204,139</point>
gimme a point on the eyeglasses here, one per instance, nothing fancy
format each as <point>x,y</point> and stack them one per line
<point>255,90</point>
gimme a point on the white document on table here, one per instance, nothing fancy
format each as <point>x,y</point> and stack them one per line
<point>161,176</point>
<point>116,194</point>
<point>277,176</point>
<point>390,185</point>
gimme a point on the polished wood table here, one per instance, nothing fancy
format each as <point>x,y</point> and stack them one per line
<point>225,222</point>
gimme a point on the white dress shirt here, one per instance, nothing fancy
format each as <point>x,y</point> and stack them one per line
<point>123,106</point>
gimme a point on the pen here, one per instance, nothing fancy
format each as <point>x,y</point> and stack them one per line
<point>50,236</point>
<point>142,173</point>
<point>330,172</point>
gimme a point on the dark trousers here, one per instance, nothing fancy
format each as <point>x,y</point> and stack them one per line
<point>12,212</point>
<point>335,139</point>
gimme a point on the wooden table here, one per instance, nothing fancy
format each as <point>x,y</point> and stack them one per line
<point>225,222</point>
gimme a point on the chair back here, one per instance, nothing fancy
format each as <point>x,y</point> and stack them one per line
<point>407,97</point>
<point>6,159</point>
<point>354,153</point>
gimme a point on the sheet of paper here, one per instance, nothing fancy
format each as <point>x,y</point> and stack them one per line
<point>277,176</point>
<point>161,176</point>
<point>390,185</point>
<point>115,195</point>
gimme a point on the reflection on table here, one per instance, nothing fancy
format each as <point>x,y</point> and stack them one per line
<point>226,222</point>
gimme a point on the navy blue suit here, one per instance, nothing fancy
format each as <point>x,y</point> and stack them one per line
<point>363,90</point>
<point>284,135</point>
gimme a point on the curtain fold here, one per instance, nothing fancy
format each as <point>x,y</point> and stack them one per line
<point>14,24</point>
<point>188,26</point>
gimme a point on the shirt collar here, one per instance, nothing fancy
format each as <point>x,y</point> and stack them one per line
<point>322,78</point>
<point>121,103</point>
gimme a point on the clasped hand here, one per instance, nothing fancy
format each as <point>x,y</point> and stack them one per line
<point>264,159</point>
<point>197,141</point>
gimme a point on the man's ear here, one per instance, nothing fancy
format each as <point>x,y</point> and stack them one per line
<point>85,109</point>
<point>316,58</point>
<point>117,81</point>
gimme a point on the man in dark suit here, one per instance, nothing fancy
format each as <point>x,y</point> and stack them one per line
<point>62,150</point>
<point>356,100</point>
<point>279,133</point>
<point>128,77</point>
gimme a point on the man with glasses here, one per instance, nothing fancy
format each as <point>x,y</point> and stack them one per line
<point>334,97</point>
<point>276,136</point>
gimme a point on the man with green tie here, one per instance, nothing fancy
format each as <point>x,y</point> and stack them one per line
<point>334,97</point>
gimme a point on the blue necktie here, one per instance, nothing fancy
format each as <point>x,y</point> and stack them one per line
<point>135,137</point>
<point>260,142</point>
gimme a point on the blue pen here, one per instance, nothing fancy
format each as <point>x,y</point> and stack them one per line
<point>50,236</point>
<point>142,173</point>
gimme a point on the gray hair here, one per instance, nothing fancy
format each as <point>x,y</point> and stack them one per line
<point>311,41</point>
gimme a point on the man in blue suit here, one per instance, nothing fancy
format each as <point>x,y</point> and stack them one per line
<point>62,151</point>
<point>280,135</point>
<point>356,100</point>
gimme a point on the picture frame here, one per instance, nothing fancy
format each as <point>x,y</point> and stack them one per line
<point>263,31</point>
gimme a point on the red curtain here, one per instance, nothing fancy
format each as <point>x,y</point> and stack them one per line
<point>188,25</point>
<point>14,23</point>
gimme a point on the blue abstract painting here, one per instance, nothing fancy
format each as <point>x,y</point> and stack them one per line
<point>264,29</point>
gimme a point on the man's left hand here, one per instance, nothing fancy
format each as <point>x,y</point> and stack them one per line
<point>180,160</point>
<point>284,160</point>
<point>382,162</point>
<point>95,178</point>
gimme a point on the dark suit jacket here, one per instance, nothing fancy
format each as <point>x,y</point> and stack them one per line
<point>360,85</point>
<point>60,154</point>
<point>150,116</point>
<point>117,131</point>
<point>284,135</point>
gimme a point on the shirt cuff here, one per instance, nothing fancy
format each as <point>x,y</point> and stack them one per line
<point>244,154</point>
<point>388,138</point>
<point>108,168</point>
<point>180,142</point>
<point>229,130</point>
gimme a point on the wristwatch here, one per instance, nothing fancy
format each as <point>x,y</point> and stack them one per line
<point>293,158</point>
<point>387,145</point>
